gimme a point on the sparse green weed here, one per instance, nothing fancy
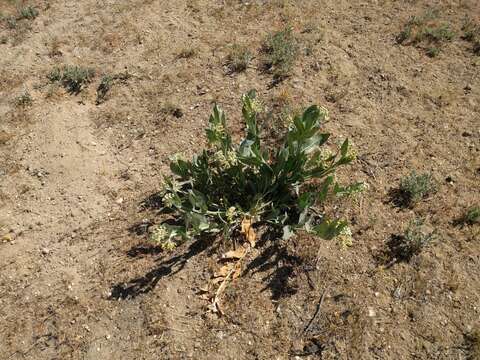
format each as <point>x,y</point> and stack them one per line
<point>471,33</point>
<point>187,53</point>
<point>416,187</point>
<point>11,22</point>
<point>472,215</point>
<point>28,13</point>
<point>239,58</point>
<point>73,78</point>
<point>404,247</point>
<point>103,88</point>
<point>227,187</point>
<point>425,31</point>
<point>414,240</point>
<point>172,109</point>
<point>24,100</point>
<point>433,51</point>
<point>281,51</point>
<point>473,343</point>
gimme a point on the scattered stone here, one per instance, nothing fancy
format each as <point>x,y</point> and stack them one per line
<point>45,251</point>
<point>7,238</point>
<point>371,312</point>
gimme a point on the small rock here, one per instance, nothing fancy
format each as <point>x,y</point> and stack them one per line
<point>371,312</point>
<point>119,201</point>
<point>7,238</point>
<point>45,251</point>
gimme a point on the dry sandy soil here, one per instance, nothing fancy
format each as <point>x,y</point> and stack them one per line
<point>80,280</point>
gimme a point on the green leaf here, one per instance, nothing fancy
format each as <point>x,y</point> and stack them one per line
<point>344,148</point>
<point>328,229</point>
<point>180,168</point>
<point>348,190</point>
<point>250,117</point>
<point>310,117</point>
<point>305,200</point>
<point>198,200</point>
<point>324,187</point>
<point>197,222</point>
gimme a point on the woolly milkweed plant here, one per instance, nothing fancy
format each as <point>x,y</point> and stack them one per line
<point>281,188</point>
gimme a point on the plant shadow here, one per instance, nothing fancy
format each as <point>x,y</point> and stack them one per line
<point>170,266</point>
<point>279,264</point>
<point>275,259</point>
<point>393,252</point>
<point>399,199</point>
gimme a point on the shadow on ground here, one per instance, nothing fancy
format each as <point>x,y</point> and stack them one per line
<point>275,260</point>
<point>170,266</point>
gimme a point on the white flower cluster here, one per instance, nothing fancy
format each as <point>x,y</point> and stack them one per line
<point>159,233</point>
<point>325,154</point>
<point>345,237</point>
<point>175,186</point>
<point>231,213</point>
<point>226,161</point>
<point>363,187</point>
<point>257,106</point>
<point>168,199</point>
<point>351,153</point>
<point>218,129</point>
<point>324,113</point>
<point>168,245</point>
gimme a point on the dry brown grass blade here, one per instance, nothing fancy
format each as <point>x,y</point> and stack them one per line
<point>248,232</point>
<point>233,273</point>
<point>234,254</point>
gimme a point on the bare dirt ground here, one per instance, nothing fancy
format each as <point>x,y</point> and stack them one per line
<point>79,279</point>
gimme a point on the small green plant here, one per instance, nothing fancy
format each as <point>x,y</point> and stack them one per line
<point>472,342</point>
<point>281,50</point>
<point>228,186</point>
<point>11,22</point>
<point>471,33</point>
<point>425,31</point>
<point>472,215</point>
<point>28,13</point>
<point>169,108</point>
<point>103,88</point>
<point>73,78</point>
<point>24,100</point>
<point>414,239</point>
<point>238,58</point>
<point>416,187</point>
<point>433,51</point>
<point>187,53</point>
